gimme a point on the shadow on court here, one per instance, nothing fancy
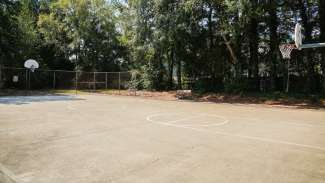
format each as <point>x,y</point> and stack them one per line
<point>21,100</point>
<point>129,139</point>
<point>284,102</point>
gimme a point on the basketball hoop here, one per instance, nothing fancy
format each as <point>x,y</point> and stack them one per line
<point>286,50</point>
<point>31,65</point>
<point>32,68</point>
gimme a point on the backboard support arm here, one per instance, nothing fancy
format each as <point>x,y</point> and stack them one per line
<point>313,45</point>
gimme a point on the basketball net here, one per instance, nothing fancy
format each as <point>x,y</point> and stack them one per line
<point>32,68</point>
<point>286,50</point>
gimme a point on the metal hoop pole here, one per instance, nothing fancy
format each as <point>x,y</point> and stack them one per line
<point>26,80</point>
<point>29,79</point>
<point>106,80</point>
<point>313,45</point>
<point>119,83</point>
<point>288,77</point>
<point>76,83</point>
<point>54,80</point>
<point>94,88</point>
<point>0,72</point>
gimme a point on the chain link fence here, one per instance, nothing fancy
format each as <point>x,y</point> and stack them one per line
<point>117,82</point>
<point>24,79</point>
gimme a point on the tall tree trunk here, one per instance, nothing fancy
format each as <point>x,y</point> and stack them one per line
<point>179,74</point>
<point>274,41</point>
<point>322,38</point>
<point>308,37</point>
<point>253,48</point>
<point>210,46</point>
<point>157,84</point>
<point>171,67</point>
<point>161,72</point>
<point>210,57</point>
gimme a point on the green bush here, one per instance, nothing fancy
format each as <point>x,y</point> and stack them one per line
<point>236,87</point>
<point>315,99</point>
<point>201,86</point>
<point>136,81</point>
<point>145,78</point>
<point>149,77</point>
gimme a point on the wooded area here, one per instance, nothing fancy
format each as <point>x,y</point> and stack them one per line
<point>211,45</point>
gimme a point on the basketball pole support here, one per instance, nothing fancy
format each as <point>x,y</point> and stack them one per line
<point>54,80</point>
<point>26,80</point>
<point>76,83</point>
<point>313,45</point>
<point>286,49</point>
<point>94,88</point>
<point>0,73</point>
<point>288,77</point>
<point>303,46</point>
<point>106,80</point>
<point>119,83</point>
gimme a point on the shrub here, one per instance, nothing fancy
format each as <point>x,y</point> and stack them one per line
<point>136,81</point>
<point>236,87</point>
<point>149,76</point>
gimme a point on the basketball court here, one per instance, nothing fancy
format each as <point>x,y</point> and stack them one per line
<point>93,138</point>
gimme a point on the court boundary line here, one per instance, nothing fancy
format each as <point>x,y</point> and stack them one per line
<point>226,121</point>
<point>261,139</point>
<point>183,119</point>
<point>9,176</point>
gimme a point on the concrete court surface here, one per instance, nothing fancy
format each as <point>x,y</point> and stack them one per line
<point>110,139</point>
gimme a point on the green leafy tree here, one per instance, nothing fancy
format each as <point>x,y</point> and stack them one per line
<point>87,30</point>
<point>27,23</point>
<point>9,32</point>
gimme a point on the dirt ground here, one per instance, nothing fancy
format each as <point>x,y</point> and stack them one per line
<point>125,139</point>
<point>258,98</point>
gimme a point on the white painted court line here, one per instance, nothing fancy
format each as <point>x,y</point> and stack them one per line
<point>184,119</point>
<point>239,136</point>
<point>225,121</point>
<point>9,175</point>
<point>217,124</point>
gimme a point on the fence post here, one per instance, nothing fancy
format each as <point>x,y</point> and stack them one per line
<point>106,80</point>
<point>76,83</point>
<point>94,88</point>
<point>0,73</point>
<point>54,80</point>
<point>288,77</point>
<point>119,83</point>
<point>26,80</point>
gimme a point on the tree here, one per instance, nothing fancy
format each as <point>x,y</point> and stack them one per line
<point>27,22</point>
<point>216,43</point>
<point>87,30</point>
<point>273,24</point>
<point>9,32</point>
<point>322,37</point>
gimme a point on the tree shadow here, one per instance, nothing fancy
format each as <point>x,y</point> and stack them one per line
<point>286,103</point>
<point>21,100</point>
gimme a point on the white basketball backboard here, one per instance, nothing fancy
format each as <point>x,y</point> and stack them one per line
<point>31,64</point>
<point>298,36</point>
<point>286,49</point>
